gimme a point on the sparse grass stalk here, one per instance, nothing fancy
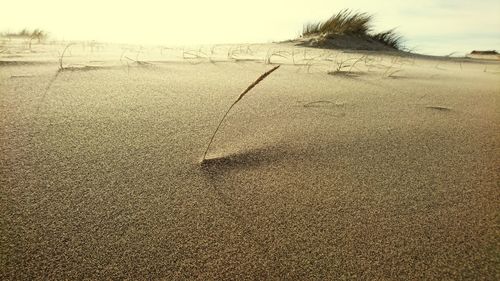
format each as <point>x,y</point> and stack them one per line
<point>343,64</point>
<point>139,62</point>
<point>308,63</point>
<point>255,83</point>
<point>271,53</point>
<point>53,79</point>
<point>391,74</point>
<point>138,53</point>
<point>355,62</point>
<point>61,67</point>
<point>233,53</point>
<point>196,54</point>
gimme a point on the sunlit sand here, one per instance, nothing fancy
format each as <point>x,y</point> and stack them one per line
<point>341,164</point>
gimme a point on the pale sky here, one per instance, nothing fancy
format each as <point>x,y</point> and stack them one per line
<point>430,26</point>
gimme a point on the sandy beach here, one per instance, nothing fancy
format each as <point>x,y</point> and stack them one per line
<point>383,170</point>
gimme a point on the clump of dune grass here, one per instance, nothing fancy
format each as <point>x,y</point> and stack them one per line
<point>30,35</point>
<point>347,22</point>
<point>38,34</point>
<point>344,22</point>
<point>255,83</point>
<point>389,38</point>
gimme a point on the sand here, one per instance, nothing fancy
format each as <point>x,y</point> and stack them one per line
<point>375,174</point>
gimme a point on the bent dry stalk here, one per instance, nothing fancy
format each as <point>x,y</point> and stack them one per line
<point>61,67</point>
<point>262,77</point>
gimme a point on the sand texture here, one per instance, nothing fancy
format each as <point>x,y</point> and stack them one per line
<point>385,170</point>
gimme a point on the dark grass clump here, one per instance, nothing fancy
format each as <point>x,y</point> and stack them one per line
<point>491,52</point>
<point>347,22</point>
<point>344,23</point>
<point>390,38</point>
<point>37,34</point>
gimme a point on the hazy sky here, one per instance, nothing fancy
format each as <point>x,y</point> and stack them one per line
<point>430,26</point>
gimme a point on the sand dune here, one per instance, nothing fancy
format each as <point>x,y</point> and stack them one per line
<point>385,170</point>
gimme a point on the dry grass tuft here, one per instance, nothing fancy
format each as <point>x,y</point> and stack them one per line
<point>255,83</point>
<point>26,33</point>
<point>390,38</point>
<point>346,66</point>
<point>347,22</point>
<point>278,53</point>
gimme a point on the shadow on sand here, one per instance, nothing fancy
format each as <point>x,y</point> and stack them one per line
<point>244,159</point>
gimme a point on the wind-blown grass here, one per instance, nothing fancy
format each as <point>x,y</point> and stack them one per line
<point>390,38</point>
<point>255,83</point>
<point>61,57</point>
<point>53,79</point>
<point>29,35</point>
<point>347,22</point>
<point>26,33</point>
<point>344,64</point>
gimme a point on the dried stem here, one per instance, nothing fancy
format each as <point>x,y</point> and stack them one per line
<point>262,77</point>
<point>62,56</point>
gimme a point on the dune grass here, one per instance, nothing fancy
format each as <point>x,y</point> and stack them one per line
<point>346,66</point>
<point>344,22</point>
<point>278,53</point>
<point>30,36</point>
<point>390,38</point>
<point>347,22</point>
<point>255,83</point>
<point>26,33</point>
<point>54,77</point>
<point>61,57</point>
